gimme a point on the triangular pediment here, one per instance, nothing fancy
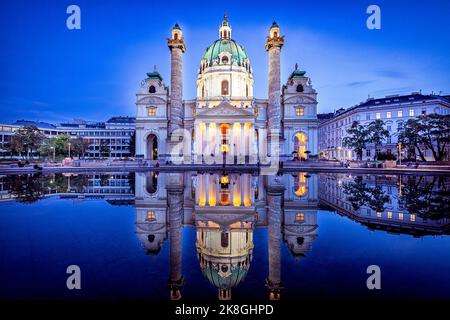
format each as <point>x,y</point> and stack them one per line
<point>225,109</point>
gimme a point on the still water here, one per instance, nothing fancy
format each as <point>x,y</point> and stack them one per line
<point>210,236</point>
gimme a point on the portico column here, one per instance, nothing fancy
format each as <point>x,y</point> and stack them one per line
<point>232,151</point>
<point>206,141</point>
<point>252,142</point>
<point>217,147</point>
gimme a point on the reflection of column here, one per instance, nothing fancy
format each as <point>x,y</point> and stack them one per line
<point>274,200</point>
<point>175,206</point>
<point>242,148</point>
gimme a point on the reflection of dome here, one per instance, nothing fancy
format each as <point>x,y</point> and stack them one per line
<point>225,276</point>
<point>225,254</point>
<point>237,52</point>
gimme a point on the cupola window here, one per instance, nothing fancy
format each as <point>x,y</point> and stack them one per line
<point>300,88</point>
<point>224,59</point>
<point>225,88</point>
<point>152,89</point>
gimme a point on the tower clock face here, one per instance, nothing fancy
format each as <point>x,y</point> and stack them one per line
<point>154,151</point>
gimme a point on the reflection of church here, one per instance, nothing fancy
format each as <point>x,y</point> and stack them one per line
<point>225,209</point>
<point>225,119</point>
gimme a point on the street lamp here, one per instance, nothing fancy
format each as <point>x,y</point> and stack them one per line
<point>399,147</point>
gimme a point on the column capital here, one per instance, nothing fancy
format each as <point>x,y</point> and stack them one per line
<point>176,43</point>
<point>275,42</point>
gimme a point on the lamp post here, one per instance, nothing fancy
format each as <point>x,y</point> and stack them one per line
<point>399,147</point>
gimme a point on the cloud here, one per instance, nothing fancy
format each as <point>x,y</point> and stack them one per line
<point>393,74</point>
<point>359,83</point>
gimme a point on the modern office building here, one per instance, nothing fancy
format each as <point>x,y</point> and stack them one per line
<point>110,139</point>
<point>393,110</point>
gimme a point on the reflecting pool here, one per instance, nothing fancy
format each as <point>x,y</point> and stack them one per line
<point>224,236</point>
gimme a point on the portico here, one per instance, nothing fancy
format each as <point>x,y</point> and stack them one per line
<point>224,132</point>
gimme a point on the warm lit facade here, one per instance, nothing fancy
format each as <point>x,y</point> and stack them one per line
<point>225,121</point>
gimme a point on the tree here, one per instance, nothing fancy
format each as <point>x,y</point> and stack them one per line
<point>356,138</point>
<point>360,194</point>
<point>132,144</point>
<point>104,148</point>
<point>59,145</point>
<point>435,134</point>
<point>408,137</point>
<point>79,146</point>
<point>26,139</point>
<point>377,134</point>
<point>427,132</point>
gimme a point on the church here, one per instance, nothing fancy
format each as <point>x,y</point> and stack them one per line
<point>226,122</point>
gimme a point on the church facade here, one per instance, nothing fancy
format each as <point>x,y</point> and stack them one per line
<point>225,122</point>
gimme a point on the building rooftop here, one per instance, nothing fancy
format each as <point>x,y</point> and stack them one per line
<point>39,124</point>
<point>387,100</point>
<point>121,120</point>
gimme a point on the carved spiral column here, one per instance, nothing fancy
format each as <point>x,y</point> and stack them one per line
<point>274,44</point>
<point>177,48</point>
<point>175,206</point>
<point>274,200</point>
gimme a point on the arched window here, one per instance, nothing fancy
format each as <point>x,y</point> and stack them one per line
<point>246,90</point>
<point>225,89</point>
<point>275,34</point>
<point>299,88</point>
<point>203,91</point>
<point>152,89</point>
<point>176,36</point>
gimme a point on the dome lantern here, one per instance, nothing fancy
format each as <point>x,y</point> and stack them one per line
<point>225,29</point>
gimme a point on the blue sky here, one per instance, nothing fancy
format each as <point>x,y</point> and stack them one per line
<point>50,73</point>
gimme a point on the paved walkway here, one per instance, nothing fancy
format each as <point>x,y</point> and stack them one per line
<point>199,167</point>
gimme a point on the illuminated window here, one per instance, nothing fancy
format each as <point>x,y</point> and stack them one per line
<point>151,215</point>
<point>411,112</point>
<point>388,114</point>
<point>379,214</point>
<point>400,216</point>
<point>378,115</point>
<point>400,113</point>
<point>412,217</point>
<point>300,217</point>
<point>151,111</point>
<point>300,111</point>
<point>225,88</point>
<point>389,215</point>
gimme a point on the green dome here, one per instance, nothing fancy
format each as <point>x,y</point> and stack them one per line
<point>237,52</point>
<point>211,272</point>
